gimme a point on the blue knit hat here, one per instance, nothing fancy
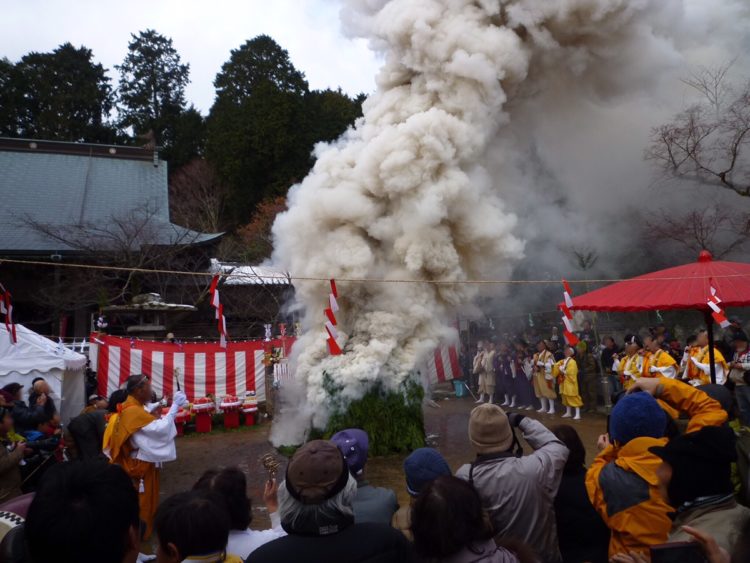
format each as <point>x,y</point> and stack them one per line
<point>635,416</point>
<point>422,467</point>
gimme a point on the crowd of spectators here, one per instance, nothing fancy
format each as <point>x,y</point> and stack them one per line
<point>664,486</point>
<point>663,477</point>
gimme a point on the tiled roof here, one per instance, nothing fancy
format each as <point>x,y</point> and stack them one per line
<point>81,192</point>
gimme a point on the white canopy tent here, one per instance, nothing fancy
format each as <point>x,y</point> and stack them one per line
<point>35,356</point>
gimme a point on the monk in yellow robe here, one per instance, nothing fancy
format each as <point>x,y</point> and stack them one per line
<point>657,362</point>
<point>566,371</point>
<point>702,361</point>
<point>139,442</point>
<point>630,366</point>
<point>688,369</point>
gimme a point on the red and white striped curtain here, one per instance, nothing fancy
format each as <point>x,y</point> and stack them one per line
<point>443,365</point>
<point>203,368</point>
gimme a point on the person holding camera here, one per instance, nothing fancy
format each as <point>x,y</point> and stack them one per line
<point>622,482</point>
<point>739,374</point>
<point>518,491</point>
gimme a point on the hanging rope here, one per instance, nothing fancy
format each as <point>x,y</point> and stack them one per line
<point>290,278</point>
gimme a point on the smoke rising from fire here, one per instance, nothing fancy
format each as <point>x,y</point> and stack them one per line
<point>452,168</point>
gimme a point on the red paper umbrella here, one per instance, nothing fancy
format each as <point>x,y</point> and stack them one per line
<point>682,287</point>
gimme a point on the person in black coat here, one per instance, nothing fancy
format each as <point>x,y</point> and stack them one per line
<point>25,417</point>
<point>315,506</point>
<point>581,533</point>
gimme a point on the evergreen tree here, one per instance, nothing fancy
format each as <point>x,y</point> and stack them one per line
<point>188,139</point>
<point>152,86</point>
<point>259,60</point>
<point>265,122</point>
<point>9,102</point>
<point>62,95</point>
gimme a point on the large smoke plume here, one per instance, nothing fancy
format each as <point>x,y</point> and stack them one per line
<point>439,180</point>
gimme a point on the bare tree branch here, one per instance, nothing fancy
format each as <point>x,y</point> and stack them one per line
<point>197,198</point>
<point>134,239</point>
<point>713,228</point>
<point>708,143</point>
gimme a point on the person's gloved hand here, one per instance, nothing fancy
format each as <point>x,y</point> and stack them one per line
<point>515,419</point>
<point>180,399</point>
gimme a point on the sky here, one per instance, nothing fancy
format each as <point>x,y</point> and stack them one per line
<point>204,33</point>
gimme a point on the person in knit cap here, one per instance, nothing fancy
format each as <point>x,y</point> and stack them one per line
<point>622,483</point>
<point>316,510</point>
<point>517,491</point>
<point>372,504</point>
<point>421,467</point>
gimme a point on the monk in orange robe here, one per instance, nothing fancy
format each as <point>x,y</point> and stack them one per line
<point>139,442</point>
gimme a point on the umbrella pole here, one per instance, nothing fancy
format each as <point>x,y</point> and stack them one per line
<point>710,329</point>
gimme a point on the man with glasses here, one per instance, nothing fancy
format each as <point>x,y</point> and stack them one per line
<point>139,443</point>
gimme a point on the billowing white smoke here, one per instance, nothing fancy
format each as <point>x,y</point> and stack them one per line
<point>407,195</point>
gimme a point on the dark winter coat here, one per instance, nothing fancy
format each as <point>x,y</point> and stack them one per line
<point>363,543</point>
<point>26,418</point>
<point>582,534</point>
<point>87,430</point>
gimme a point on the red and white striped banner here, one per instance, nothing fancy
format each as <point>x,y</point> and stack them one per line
<point>6,310</point>
<point>333,347</point>
<point>567,317</point>
<point>443,365</point>
<point>216,304</point>
<point>203,368</point>
<point>716,311</point>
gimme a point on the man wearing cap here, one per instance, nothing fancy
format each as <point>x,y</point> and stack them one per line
<point>95,403</point>
<point>372,504</point>
<point>621,482</point>
<point>84,434</point>
<point>421,467</point>
<point>316,510</point>
<point>695,478</point>
<point>738,374</point>
<point>140,443</point>
<point>517,492</point>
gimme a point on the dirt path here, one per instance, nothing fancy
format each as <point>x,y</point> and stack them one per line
<point>446,426</point>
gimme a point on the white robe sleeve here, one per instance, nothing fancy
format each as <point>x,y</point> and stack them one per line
<point>669,371</point>
<point>721,377</point>
<point>155,441</point>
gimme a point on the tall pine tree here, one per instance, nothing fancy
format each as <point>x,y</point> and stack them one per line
<point>265,122</point>
<point>152,87</point>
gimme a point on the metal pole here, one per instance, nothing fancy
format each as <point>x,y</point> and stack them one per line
<point>710,329</point>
